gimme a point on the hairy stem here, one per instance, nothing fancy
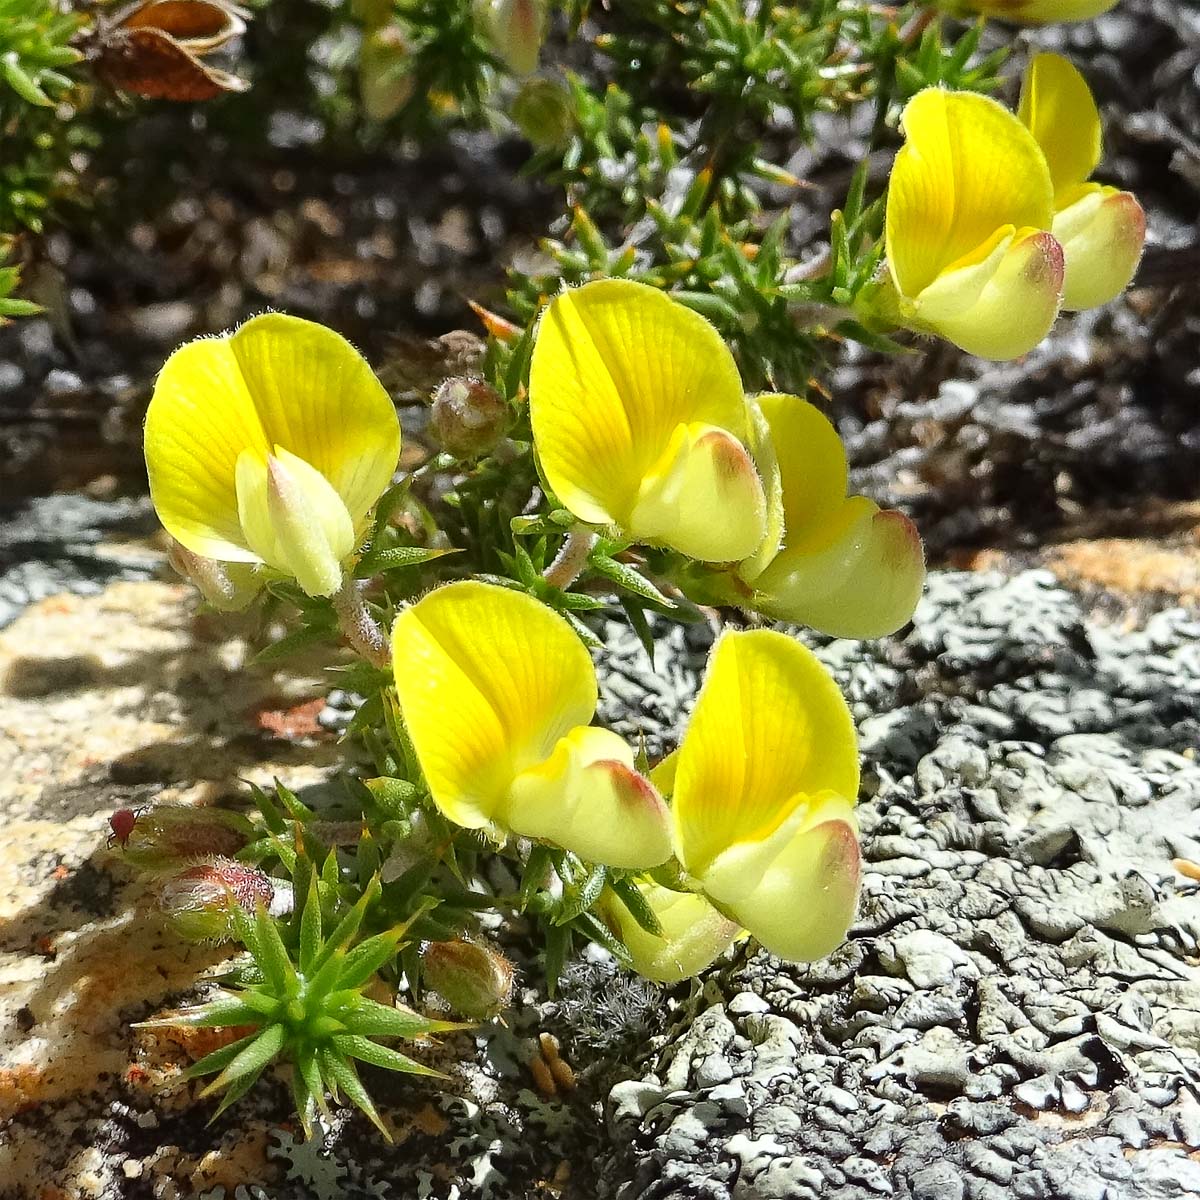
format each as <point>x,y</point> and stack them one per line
<point>571,559</point>
<point>361,629</point>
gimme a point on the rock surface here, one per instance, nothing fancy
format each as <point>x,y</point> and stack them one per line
<point>1017,1012</point>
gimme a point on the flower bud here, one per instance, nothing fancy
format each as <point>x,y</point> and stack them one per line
<point>475,981</point>
<point>385,79</point>
<point>468,417</point>
<point>196,901</point>
<point>228,586</point>
<point>517,28</point>
<point>169,834</point>
<point>542,111</point>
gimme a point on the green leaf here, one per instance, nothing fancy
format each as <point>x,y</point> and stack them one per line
<point>235,1091</point>
<point>310,925</point>
<point>534,874</point>
<point>372,1019</point>
<point>345,930</point>
<point>576,901</point>
<point>338,1070</point>
<point>558,946</point>
<point>214,1015</point>
<point>272,956</point>
<point>625,576</point>
<point>294,642</point>
<point>22,83</point>
<point>368,957</point>
<point>250,1061</point>
<point>218,1060</point>
<point>632,897</point>
<point>397,558</point>
<point>380,1056</point>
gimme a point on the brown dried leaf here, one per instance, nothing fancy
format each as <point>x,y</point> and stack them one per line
<point>197,25</point>
<point>150,63</point>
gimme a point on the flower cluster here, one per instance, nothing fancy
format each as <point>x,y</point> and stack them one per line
<point>992,222</point>
<point>609,453</point>
<point>642,428</point>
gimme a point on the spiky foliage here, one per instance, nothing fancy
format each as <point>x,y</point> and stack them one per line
<point>308,1008</point>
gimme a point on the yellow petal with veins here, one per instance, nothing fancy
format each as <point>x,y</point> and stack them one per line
<point>587,798</point>
<point>617,368</point>
<point>703,497</point>
<point>278,381</point>
<point>693,934</point>
<point>967,169</point>
<point>1058,109</point>
<point>769,730</point>
<point>317,398</point>
<point>489,680</point>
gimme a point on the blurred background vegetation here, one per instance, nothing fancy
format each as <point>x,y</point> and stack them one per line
<point>386,165</point>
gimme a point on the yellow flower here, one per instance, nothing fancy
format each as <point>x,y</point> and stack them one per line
<point>693,932</point>
<point>270,445</point>
<point>496,691</point>
<point>1101,228</point>
<point>764,785</point>
<point>842,565</point>
<point>1032,12</point>
<point>641,423</point>
<point>970,203</point>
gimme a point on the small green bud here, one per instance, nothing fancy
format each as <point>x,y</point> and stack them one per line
<point>469,416</point>
<point>385,79</point>
<point>543,112</point>
<point>475,981</point>
<point>170,834</point>
<point>196,901</point>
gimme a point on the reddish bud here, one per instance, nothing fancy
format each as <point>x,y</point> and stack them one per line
<point>169,834</point>
<point>196,901</point>
<point>469,417</point>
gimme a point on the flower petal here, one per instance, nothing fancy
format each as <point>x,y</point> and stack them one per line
<point>812,466</point>
<point>1038,12</point>
<point>703,497</point>
<point>1102,236</point>
<point>200,419</point>
<point>1017,307</point>
<point>804,899</point>
<point>316,397</point>
<point>1058,109</point>
<point>967,169</point>
<point>293,519</point>
<point>769,728</point>
<point>488,681</point>
<point>587,798</point>
<point>694,933</point>
<point>865,582</point>
<point>617,367</point>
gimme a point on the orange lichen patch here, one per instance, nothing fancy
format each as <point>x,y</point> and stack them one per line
<point>78,1004</point>
<point>295,721</point>
<point>240,1159</point>
<point>196,1043</point>
<point>1131,566</point>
